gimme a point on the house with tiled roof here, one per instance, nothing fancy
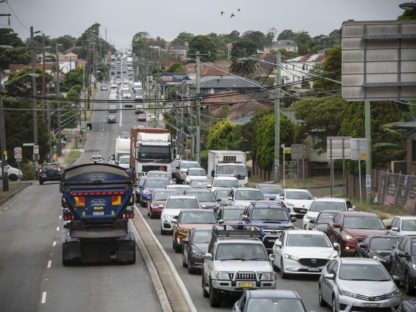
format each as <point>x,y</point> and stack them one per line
<point>296,70</point>
<point>217,68</point>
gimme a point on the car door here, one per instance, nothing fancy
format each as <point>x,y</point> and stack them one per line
<point>403,262</point>
<point>334,233</point>
<point>397,259</point>
<point>327,285</point>
<point>395,223</point>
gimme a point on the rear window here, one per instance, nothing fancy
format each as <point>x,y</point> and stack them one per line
<point>182,203</point>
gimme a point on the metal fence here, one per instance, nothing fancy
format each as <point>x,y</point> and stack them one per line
<point>397,190</point>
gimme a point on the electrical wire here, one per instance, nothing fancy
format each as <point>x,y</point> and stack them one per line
<point>16,16</point>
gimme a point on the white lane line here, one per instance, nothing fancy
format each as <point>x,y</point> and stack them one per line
<point>49,264</point>
<point>60,217</point>
<point>54,244</point>
<point>57,228</point>
<point>43,301</point>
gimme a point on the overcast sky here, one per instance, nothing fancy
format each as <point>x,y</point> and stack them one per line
<point>166,18</point>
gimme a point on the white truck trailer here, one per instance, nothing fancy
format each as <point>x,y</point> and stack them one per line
<point>228,164</point>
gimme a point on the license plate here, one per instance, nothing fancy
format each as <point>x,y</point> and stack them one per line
<point>314,269</point>
<point>98,213</point>
<point>246,284</point>
<point>371,305</point>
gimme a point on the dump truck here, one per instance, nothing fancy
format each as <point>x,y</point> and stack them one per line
<point>97,205</point>
<point>150,149</point>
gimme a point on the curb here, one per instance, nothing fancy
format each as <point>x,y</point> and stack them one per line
<point>177,294</point>
<point>27,184</point>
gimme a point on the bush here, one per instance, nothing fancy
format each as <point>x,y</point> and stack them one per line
<point>28,170</point>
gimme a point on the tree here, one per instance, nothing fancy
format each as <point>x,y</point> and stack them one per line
<point>182,39</point>
<point>408,15</point>
<point>331,68</point>
<point>72,78</point>
<point>20,82</point>
<point>243,48</point>
<point>205,46</point>
<point>287,34</point>
<point>256,37</point>
<point>176,68</point>
<point>18,55</point>
<point>233,36</point>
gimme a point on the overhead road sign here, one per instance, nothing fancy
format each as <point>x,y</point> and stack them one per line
<point>379,60</point>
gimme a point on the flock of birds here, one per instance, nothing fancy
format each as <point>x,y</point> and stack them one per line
<point>232,14</point>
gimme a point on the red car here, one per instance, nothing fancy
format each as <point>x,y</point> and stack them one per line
<point>158,201</point>
<point>141,117</point>
<point>350,227</point>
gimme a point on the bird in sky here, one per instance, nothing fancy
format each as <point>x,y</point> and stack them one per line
<point>222,12</point>
<point>232,15</point>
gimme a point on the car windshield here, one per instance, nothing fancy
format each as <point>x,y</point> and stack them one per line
<point>325,217</point>
<point>158,174</point>
<point>195,217</point>
<point>298,195</point>
<point>232,169</point>
<point>363,222</point>
<point>307,240</point>
<point>413,247</point>
<point>199,184</point>
<point>327,205</point>
<point>196,172</point>
<point>191,164</point>
<point>275,305</point>
<point>249,195</point>
<point>124,160</point>
<point>222,193</point>
<point>363,272</point>
<point>383,243</point>
<point>203,196</point>
<point>151,152</point>
<point>164,195</point>
<point>182,203</point>
<point>232,214</point>
<point>155,183</point>
<point>271,214</point>
<point>202,237</point>
<point>409,225</point>
<point>238,251</point>
<point>270,189</point>
<point>225,183</point>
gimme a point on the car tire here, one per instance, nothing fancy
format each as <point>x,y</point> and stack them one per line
<point>13,177</point>
<point>40,182</point>
<point>190,269</point>
<point>321,300</point>
<point>409,285</point>
<point>204,292</point>
<point>282,269</point>
<point>175,245</point>
<point>214,297</point>
<point>162,231</point>
<point>184,262</point>
<point>334,307</point>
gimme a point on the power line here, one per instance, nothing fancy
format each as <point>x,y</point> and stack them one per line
<point>16,16</point>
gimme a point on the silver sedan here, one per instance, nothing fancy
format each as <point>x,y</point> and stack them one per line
<point>347,284</point>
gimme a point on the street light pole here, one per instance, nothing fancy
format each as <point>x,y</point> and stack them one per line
<point>34,104</point>
<point>198,107</point>
<point>277,119</point>
<point>58,94</point>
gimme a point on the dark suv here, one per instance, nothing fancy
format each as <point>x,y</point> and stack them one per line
<point>403,263</point>
<point>50,172</point>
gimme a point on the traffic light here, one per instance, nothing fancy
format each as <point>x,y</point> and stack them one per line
<point>89,126</point>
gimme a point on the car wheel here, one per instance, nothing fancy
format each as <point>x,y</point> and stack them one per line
<point>150,213</point>
<point>282,269</point>
<point>162,231</point>
<point>40,182</point>
<point>409,285</point>
<point>175,245</point>
<point>321,300</point>
<point>184,260</point>
<point>13,177</point>
<point>204,292</point>
<point>214,297</point>
<point>334,305</point>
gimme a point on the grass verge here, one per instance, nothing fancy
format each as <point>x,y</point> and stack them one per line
<point>299,183</point>
<point>72,156</point>
<point>13,188</point>
<point>384,212</point>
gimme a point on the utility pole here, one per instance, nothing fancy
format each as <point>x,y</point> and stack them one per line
<point>3,146</point>
<point>43,75</point>
<point>58,94</point>
<point>368,167</point>
<point>277,119</point>
<point>198,107</point>
<point>35,115</point>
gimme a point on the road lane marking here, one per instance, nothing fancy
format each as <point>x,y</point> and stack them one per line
<point>60,217</point>
<point>54,244</point>
<point>57,228</point>
<point>49,264</point>
<point>43,301</point>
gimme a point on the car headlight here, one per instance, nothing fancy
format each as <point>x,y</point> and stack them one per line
<point>414,266</point>
<point>197,253</point>
<point>290,205</point>
<point>333,256</point>
<point>267,276</point>
<point>167,218</point>
<point>291,257</point>
<point>147,192</point>
<point>221,275</point>
<point>347,237</point>
<point>395,293</point>
<point>349,294</point>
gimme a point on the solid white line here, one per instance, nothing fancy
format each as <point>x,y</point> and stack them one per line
<point>43,301</point>
<point>60,217</point>
<point>54,244</point>
<point>57,228</point>
<point>181,284</point>
<point>49,264</point>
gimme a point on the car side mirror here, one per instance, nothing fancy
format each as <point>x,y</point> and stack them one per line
<point>278,244</point>
<point>177,167</point>
<point>208,256</point>
<point>330,276</point>
<point>337,247</point>
<point>293,218</point>
<point>312,221</point>
<point>395,229</point>
<point>244,217</point>
<point>174,221</point>
<point>113,157</point>
<point>271,257</point>
<point>218,199</point>
<point>220,221</point>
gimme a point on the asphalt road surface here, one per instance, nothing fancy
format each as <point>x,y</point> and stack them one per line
<point>32,277</point>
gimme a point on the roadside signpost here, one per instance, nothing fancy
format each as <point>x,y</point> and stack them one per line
<point>18,154</point>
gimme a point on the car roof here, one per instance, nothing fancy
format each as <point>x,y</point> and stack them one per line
<point>296,190</point>
<point>247,189</point>
<point>313,232</point>
<point>225,178</point>
<point>351,260</point>
<point>407,217</point>
<point>268,184</point>
<point>273,293</point>
<point>231,240</point>
<point>197,190</point>
<point>330,199</point>
<point>356,213</point>
<point>267,204</point>
<point>197,210</point>
<point>182,197</point>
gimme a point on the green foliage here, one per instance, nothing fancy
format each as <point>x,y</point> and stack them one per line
<point>72,78</point>
<point>20,82</point>
<point>256,37</point>
<point>176,68</point>
<point>243,48</point>
<point>205,46</point>
<point>18,55</point>
<point>74,93</point>
<point>219,135</point>
<point>182,39</point>
<point>28,170</point>
<point>331,68</point>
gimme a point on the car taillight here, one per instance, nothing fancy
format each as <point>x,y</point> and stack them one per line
<point>59,169</point>
<point>67,217</point>
<point>128,215</point>
<point>79,201</point>
<point>40,170</point>
<point>116,200</point>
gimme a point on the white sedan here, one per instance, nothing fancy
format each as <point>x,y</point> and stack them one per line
<point>302,252</point>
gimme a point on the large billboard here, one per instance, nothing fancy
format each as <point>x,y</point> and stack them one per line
<point>379,60</point>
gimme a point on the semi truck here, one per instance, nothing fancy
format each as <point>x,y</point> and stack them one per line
<point>228,164</point>
<point>97,205</point>
<point>150,149</point>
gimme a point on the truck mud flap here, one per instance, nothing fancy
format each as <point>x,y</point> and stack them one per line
<point>71,253</point>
